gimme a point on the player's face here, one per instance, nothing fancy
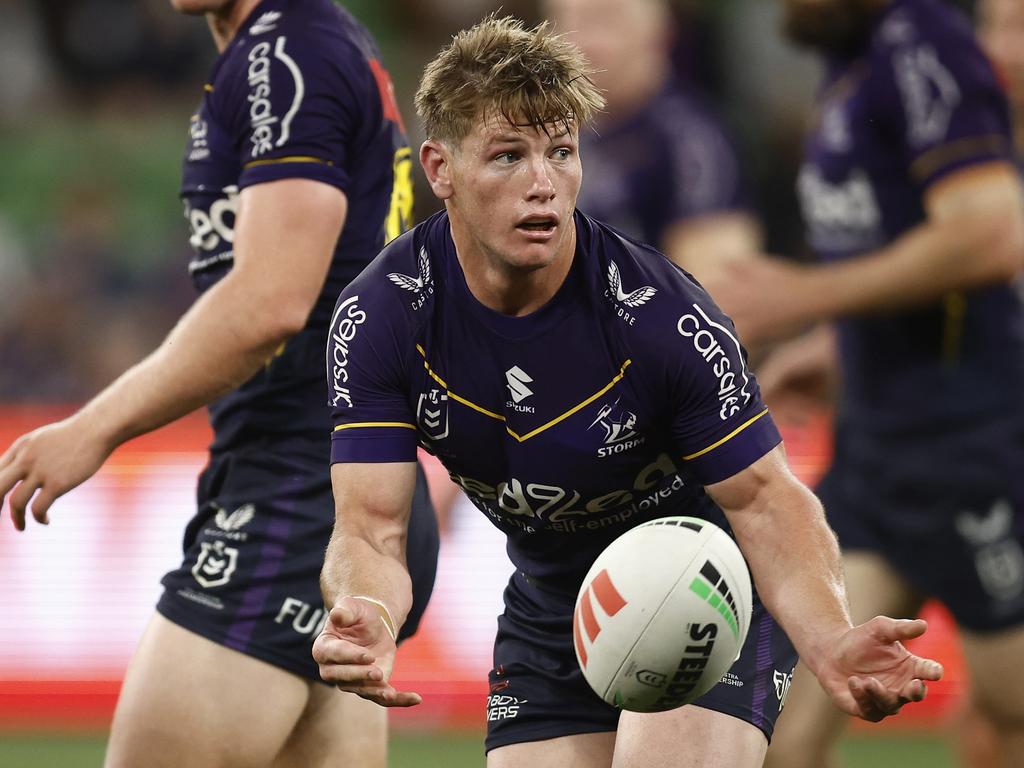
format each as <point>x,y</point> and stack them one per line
<point>832,26</point>
<point>513,192</point>
<point>1001,29</point>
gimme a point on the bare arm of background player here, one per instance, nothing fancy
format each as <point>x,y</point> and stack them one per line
<point>973,236</point>
<point>285,235</point>
<point>365,582</point>
<point>794,561</point>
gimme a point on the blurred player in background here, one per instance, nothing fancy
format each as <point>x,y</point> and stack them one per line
<point>519,340</point>
<point>912,201</point>
<point>659,165</point>
<point>295,170</point>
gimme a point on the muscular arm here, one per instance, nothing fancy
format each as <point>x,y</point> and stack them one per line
<point>973,236</point>
<point>365,582</point>
<point>794,561</point>
<point>793,555</point>
<point>702,245</point>
<point>284,240</point>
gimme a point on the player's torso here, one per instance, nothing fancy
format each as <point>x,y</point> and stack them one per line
<point>555,429</point>
<point>261,100</point>
<point>860,190</point>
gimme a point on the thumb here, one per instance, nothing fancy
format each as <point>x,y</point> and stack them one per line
<point>892,630</point>
<point>345,613</point>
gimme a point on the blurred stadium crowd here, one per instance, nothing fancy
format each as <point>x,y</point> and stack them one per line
<point>94,100</point>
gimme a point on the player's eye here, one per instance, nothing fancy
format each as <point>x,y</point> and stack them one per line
<point>507,158</point>
<point>563,153</point>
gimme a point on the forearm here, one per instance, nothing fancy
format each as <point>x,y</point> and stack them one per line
<point>926,263</point>
<point>217,345</point>
<point>795,564</point>
<point>361,563</point>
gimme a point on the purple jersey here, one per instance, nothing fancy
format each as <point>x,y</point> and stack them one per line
<point>611,405</point>
<point>918,102</point>
<point>298,93</point>
<point>668,162</point>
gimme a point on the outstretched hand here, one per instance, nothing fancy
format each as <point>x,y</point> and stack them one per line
<point>356,651</point>
<point>51,461</point>
<point>871,674</point>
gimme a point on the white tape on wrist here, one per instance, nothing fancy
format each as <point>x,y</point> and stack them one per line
<point>385,616</point>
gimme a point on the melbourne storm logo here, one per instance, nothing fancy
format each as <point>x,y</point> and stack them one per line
<point>421,286</point>
<point>432,412</point>
<point>619,427</point>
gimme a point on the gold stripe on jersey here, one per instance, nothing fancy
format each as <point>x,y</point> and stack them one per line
<point>727,438</point>
<point>208,88</point>
<point>499,417</point>
<point>288,159</point>
<point>357,424</point>
<point>939,157</point>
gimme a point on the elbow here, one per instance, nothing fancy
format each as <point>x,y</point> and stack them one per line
<point>1005,247</point>
<point>278,321</point>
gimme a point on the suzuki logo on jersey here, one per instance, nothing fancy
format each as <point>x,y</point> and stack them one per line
<point>517,380</point>
<point>631,299</point>
<point>722,351</point>
<point>346,321</point>
<point>422,286</point>
<point>267,22</point>
<point>215,564</point>
<point>619,427</point>
<point>432,413</point>
<point>585,619</point>
<point>261,108</point>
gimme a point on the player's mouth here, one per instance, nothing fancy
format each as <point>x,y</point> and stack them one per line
<point>538,227</point>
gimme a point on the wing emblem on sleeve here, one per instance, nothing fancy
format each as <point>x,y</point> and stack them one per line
<point>633,298</point>
<point>414,284</point>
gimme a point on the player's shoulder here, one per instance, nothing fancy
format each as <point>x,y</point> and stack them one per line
<point>401,279</point>
<point>642,285</point>
<point>912,24</point>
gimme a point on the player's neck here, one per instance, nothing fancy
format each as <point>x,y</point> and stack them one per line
<point>504,288</point>
<point>224,23</point>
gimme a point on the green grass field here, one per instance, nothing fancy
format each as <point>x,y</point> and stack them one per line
<point>460,750</point>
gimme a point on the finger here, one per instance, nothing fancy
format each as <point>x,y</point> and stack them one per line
<point>865,701</point>
<point>893,630</point>
<point>913,691</point>
<point>927,669</point>
<point>329,650</point>
<point>353,674</point>
<point>10,453</point>
<point>345,614</point>
<point>41,505</point>
<point>19,501</point>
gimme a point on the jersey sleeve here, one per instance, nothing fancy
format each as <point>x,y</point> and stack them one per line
<point>941,97</point>
<point>720,425</point>
<point>366,371</point>
<point>301,110</point>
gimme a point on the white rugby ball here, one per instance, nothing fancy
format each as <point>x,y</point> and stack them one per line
<point>662,614</point>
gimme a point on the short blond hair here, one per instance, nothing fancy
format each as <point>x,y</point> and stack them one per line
<point>530,77</point>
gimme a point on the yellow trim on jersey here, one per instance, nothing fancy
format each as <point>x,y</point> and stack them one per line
<point>375,424</point>
<point>208,88</point>
<point>946,154</point>
<point>727,438</point>
<point>571,411</point>
<point>289,159</point>
<point>955,305</point>
<point>499,417</point>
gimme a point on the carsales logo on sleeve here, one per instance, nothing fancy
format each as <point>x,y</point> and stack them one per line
<point>346,321</point>
<point>721,350</point>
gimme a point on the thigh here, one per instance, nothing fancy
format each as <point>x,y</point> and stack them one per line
<point>583,750</point>
<point>810,723</point>
<point>189,701</point>
<point>688,737</point>
<point>336,729</point>
<point>997,674</point>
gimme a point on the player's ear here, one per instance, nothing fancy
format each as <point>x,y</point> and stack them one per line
<point>435,158</point>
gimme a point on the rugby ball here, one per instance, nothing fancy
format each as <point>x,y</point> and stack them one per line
<point>662,614</point>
